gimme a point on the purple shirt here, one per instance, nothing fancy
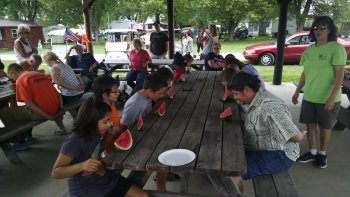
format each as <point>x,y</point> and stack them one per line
<point>94,185</point>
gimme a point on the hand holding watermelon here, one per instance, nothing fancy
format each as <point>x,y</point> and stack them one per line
<point>90,166</point>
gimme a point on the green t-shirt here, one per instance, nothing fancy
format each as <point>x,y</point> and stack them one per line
<point>319,69</point>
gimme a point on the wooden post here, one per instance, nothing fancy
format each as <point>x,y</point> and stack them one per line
<point>86,4</point>
<point>281,36</point>
<point>170,5</point>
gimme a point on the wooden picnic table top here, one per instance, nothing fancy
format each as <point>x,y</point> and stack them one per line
<point>154,61</point>
<point>191,122</point>
<point>6,92</point>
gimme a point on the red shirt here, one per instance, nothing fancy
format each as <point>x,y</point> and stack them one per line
<point>138,58</point>
<point>35,86</point>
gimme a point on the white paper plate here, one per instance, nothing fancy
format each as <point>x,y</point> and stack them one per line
<point>176,157</point>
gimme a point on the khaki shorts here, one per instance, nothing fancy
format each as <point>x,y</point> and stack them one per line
<point>314,113</point>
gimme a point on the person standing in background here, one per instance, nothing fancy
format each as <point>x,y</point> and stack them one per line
<point>321,78</point>
<point>210,39</point>
<point>22,47</point>
<point>159,44</point>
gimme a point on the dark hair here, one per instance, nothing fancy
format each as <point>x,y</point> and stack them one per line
<point>154,82</point>
<point>103,84</point>
<point>188,57</point>
<point>326,21</point>
<point>166,74</point>
<point>91,111</point>
<point>14,67</point>
<point>2,66</point>
<point>228,74</point>
<point>243,79</point>
<point>231,61</point>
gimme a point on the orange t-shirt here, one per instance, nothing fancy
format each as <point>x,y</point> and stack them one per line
<point>114,114</point>
<point>35,86</point>
<point>116,120</point>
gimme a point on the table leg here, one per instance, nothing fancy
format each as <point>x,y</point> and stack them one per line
<point>161,181</point>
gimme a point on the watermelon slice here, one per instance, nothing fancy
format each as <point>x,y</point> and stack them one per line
<point>182,77</point>
<point>170,93</point>
<point>161,109</point>
<point>227,114</point>
<point>124,141</point>
<point>140,123</point>
<point>226,97</point>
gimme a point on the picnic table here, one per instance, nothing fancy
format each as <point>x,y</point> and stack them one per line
<point>154,61</point>
<point>191,122</point>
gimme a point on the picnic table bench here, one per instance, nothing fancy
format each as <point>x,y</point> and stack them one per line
<point>191,122</point>
<point>274,185</point>
<point>7,133</point>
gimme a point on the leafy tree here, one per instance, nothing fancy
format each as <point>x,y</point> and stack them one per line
<point>301,9</point>
<point>26,10</point>
<point>66,12</point>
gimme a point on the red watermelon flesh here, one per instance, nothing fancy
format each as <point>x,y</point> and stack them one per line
<point>124,141</point>
<point>182,77</point>
<point>226,114</point>
<point>161,109</point>
<point>226,96</point>
<point>140,123</point>
<point>170,93</point>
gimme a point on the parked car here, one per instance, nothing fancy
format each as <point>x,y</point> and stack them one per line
<point>295,45</point>
<point>242,33</point>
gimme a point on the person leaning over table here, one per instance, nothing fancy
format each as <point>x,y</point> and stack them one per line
<point>42,101</point>
<point>22,47</point>
<point>70,84</point>
<point>321,78</point>
<point>32,64</point>
<point>270,137</point>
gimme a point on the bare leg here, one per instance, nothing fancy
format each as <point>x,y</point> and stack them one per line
<point>135,191</point>
<point>311,135</point>
<point>325,137</point>
<point>239,183</point>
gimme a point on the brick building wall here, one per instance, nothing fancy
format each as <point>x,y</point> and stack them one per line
<point>9,35</point>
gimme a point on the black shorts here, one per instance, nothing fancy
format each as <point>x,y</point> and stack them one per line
<point>121,188</point>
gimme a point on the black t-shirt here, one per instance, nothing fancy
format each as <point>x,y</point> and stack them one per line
<point>216,58</point>
<point>158,41</point>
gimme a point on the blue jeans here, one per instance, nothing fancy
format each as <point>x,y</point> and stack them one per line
<point>263,162</point>
<point>138,76</point>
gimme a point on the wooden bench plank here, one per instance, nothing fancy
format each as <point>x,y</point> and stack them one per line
<point>284,185</point>
<point>234,156</point>
<point>264,186</point>
<point>153,193</point>
<point>209,161</point>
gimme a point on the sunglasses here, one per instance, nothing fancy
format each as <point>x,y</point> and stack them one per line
<point>322,28</point>
<point>216,48</point>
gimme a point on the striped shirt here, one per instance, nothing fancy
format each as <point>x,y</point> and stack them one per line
<point>68,77</point>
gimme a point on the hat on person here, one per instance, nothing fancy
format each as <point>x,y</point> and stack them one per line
<point>179,60</point>
<point>156,23</point>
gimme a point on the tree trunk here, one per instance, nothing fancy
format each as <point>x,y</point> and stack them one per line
<point>300,17</point>
<point>231,29</point>
<point>262,28</point>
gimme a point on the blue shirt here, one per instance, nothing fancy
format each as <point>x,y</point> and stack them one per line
<point>84,61</point>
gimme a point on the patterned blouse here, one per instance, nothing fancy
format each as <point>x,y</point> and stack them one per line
<point>269,125</point>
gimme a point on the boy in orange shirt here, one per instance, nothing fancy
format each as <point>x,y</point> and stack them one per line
<point>39,104</point>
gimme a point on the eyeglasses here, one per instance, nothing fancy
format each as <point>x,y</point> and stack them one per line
<point>321,28</point>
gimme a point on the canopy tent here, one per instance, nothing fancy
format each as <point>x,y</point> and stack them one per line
<point>56,36</point>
